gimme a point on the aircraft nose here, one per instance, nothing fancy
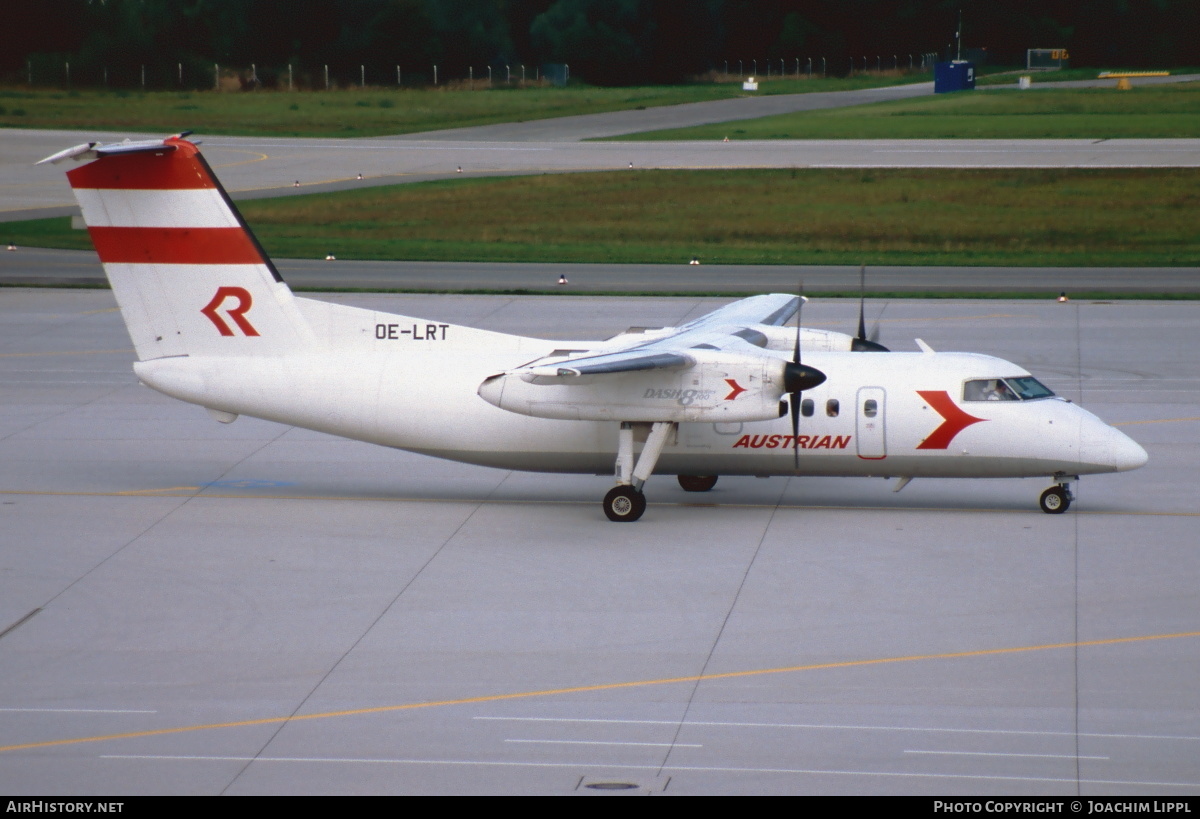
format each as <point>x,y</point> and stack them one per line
<point>1127,453</point>
<point>1105,446</point>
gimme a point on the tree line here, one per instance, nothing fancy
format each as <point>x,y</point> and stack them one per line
<point>605,42</point>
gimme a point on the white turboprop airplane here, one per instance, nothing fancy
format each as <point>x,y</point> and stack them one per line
<point>213,324</point>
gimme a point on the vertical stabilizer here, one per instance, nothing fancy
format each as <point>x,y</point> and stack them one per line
<point>187,272</point>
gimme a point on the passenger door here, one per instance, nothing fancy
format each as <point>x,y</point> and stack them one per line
<point>869,423</point>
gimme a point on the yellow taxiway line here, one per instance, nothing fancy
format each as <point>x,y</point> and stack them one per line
<point>554,692</point>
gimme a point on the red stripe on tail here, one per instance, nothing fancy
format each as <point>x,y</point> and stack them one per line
<point>133,245</point>
<point>171,170</point>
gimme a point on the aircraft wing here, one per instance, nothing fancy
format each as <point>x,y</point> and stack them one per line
<point>729,329</point>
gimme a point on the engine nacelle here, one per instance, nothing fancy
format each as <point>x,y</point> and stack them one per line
<point>783,339</point>
<point>718,387</point>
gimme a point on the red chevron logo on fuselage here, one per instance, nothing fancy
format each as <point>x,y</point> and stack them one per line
<point>955,420</point>
<point>737,388</point>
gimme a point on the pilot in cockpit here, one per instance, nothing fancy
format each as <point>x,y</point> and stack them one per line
<point>999,391</point>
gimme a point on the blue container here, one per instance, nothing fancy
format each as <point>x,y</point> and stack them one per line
<point>953,76</point>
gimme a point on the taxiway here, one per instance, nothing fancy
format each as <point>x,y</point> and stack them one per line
<point>187,607</point>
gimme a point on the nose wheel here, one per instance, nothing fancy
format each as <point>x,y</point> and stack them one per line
<point>1056,500</point>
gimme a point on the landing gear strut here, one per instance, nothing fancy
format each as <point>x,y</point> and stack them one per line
<point>1056,499</point>
<point>697,483</point>
<point>625,501</point>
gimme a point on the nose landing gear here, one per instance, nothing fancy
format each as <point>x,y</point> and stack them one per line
<point>1056,499</point>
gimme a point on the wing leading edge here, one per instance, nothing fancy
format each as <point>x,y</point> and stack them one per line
<point>726,329</point>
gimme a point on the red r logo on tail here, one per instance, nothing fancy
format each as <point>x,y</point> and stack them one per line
<point>238,313</point>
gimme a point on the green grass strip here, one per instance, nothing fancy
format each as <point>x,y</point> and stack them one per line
<point>371,111</point>
<point>1149,112</point>
<point>1026,217</point>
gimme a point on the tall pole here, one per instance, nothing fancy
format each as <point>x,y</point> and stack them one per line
<point>958,36</point>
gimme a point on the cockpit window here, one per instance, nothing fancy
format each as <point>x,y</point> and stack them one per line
<point>1029,388</point>
<point>1025,388</point>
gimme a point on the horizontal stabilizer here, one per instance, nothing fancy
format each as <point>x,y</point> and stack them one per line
<point>94,150</point>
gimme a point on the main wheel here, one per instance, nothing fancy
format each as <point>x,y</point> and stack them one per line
<point>624,504</point>
<point>1055,500</point>
<point>697,483</point>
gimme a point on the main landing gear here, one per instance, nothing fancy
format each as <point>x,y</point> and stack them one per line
<point>697,483</point>
<point>1056,499</point>
<point>625,502</point>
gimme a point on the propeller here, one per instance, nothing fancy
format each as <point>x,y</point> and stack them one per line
<point>798,377</point>
<point>863,343</point>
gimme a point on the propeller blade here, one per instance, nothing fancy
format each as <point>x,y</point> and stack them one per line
<point>862,298</point>
<point>863,343</point>
<point>874,334</point>
<point>798,377</point>
<point>794,401</point>
<point>799,313</point>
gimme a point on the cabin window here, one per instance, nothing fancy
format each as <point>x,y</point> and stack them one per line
<point>870,408</point>
<point>1025,388</point>
<point>831,407</point>
<point>806,407</point>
